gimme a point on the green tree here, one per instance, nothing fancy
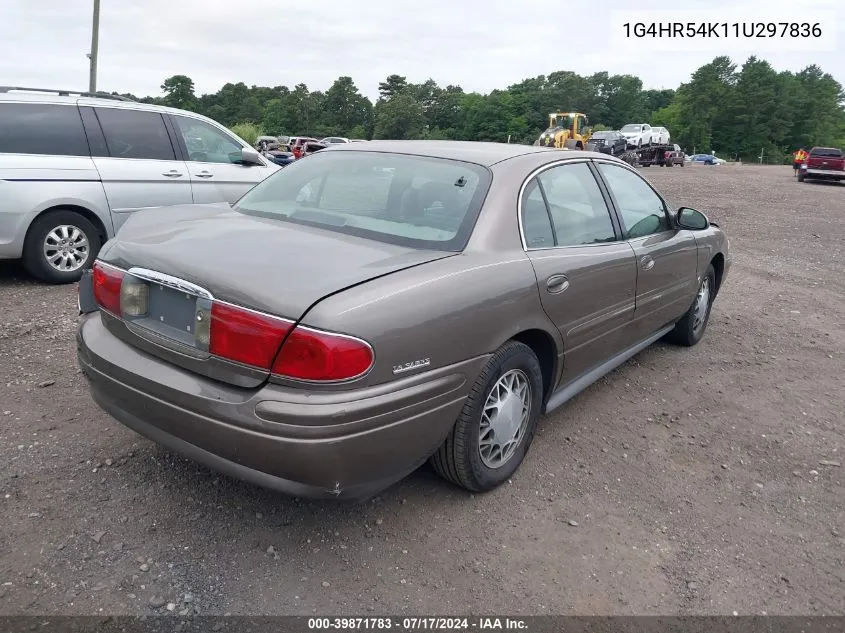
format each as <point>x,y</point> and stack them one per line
<point>179,92</point>
<point>345,107</point>
<point>248,132</point>
<point>392,86</point>
<point>400,117</point>
<point>704,102</point>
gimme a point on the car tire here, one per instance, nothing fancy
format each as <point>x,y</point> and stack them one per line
<point>800,177</point>
<point>67,224</point>
<point>461,458</point>
<point>690,329</point>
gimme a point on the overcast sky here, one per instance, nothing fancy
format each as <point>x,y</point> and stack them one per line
<point>478,44</point>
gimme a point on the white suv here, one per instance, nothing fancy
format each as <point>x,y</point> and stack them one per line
<point>73,166</point>
<point>637,134</point>
<point>660,135</point>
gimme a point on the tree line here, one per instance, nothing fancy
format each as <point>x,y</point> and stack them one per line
<point>736,111</point>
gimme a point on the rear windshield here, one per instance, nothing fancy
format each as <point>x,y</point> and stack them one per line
<point>827,152</point>
<point>420,202</point>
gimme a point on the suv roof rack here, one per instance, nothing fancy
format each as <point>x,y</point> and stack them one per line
<point>67,93</point>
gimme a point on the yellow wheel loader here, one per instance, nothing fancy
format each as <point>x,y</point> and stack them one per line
<point>567,130</point>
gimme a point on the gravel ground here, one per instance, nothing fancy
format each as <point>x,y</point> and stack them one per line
<point>690,481</point>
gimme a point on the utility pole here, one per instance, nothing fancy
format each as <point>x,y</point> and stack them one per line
<point>95,43</point>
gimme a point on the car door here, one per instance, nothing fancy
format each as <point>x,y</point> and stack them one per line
<point>214,161</point>
<point>667,257</point>
<point>586,273</point>
<point>136,160</point>
<point>647,134</point>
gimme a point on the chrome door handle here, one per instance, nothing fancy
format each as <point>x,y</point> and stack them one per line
<point>647,262</point>
<point>557,283</point>
<point>172,174</point>
<point>204,174</point>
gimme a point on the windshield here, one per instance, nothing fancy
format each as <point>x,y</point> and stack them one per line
<point>632,128</point>
<point>602,134</point>
<point>420,202</point>
<point>561,121</point>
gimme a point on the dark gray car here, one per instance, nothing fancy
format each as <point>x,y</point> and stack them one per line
<point>386,303</point>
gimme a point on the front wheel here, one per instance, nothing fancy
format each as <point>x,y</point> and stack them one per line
<point>59,246</point>
<point>690,329</point>
<point>495,428</point>
<point>800,176</point>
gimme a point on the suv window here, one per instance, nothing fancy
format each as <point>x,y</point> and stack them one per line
<point>578,210</point>
<point>34,128</point>
<point>643,211</point>
<point>135,134</point>
<point>207,144</point>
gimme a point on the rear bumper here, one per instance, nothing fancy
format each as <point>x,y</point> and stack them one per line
<point>317,444</point>
<point>833,174</point>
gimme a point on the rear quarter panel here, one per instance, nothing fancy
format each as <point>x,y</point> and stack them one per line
<point>447,311</point>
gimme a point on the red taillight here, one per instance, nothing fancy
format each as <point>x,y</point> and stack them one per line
<point>245,336</point>
<point>321,356</point>
<point>106,281</point>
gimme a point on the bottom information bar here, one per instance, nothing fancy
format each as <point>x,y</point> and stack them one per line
<point>408,624</point>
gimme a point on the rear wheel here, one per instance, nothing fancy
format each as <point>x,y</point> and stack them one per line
<point>59,246</point>
<point>498,421</point>
<point>800,176</point>
<point>690,329</point>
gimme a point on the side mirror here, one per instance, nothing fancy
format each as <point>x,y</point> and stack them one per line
<point>250,156</point>
<point>691,219</point>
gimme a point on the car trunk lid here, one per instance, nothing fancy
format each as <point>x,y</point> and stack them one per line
<point>190,257</point>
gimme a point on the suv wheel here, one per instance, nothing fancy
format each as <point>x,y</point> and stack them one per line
<point>60,245</point>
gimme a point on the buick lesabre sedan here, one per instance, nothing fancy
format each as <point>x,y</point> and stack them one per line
<point>388,303</point>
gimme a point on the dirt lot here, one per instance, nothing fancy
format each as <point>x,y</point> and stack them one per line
<point>705,480</point>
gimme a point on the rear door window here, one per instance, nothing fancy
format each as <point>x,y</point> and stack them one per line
<point>576,205</point>
<point>135,134</point>
<point>826,152</point>
<point>40,128</point>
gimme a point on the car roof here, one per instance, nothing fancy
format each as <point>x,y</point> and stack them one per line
<point>24,96</point>
<point>480,152</point>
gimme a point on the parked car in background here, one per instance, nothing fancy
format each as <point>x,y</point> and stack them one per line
<point>675,156</point>
<point>75,166</point>
<point>314,353</point>
<point>608,142</point>
<point>823,163</point>
<point>296,144</point>
<point>263,143</point>
<point>311,147</point>
<point>331,140</point>
<point>660,136</point>
<point>637,134</point>
<point>704,159</point>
